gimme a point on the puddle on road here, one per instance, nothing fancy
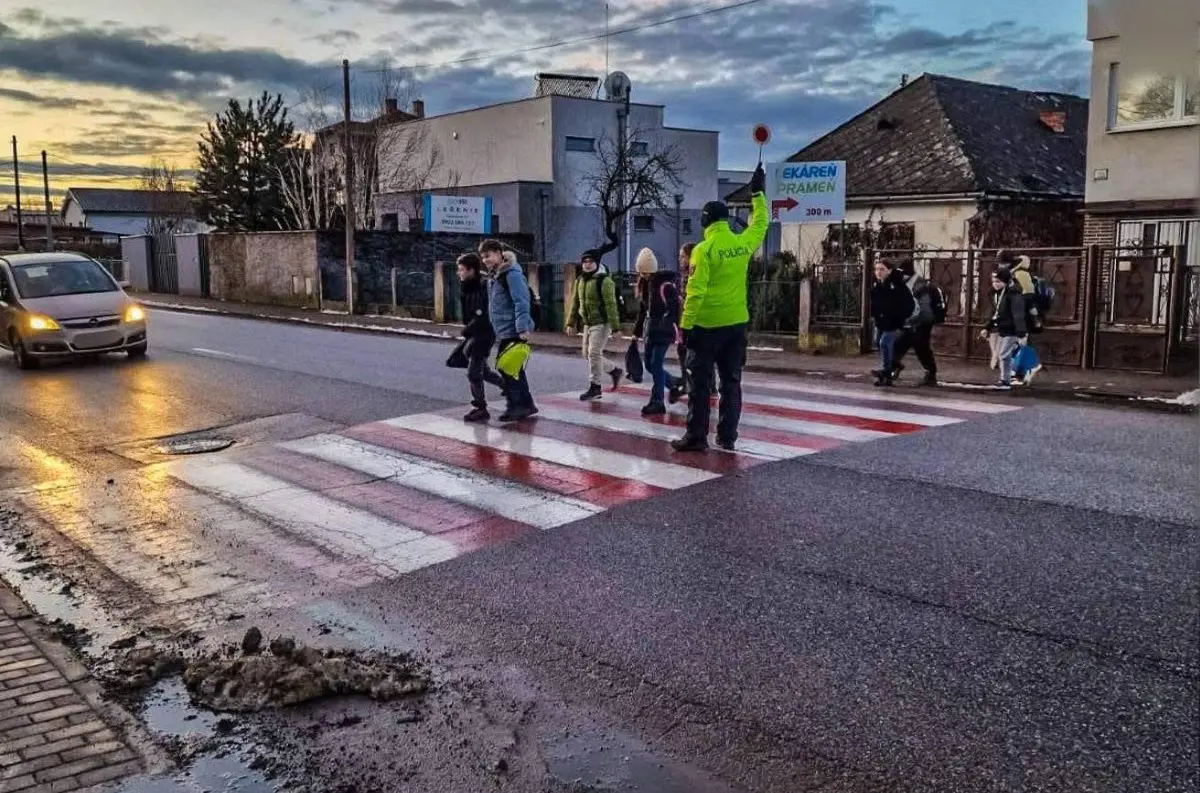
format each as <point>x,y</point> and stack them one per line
<point>226,774</point>
<point>617,762</point>
<point>168,711</point>
<point>53,598</point>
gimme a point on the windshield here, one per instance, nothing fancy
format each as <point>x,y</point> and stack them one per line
<point>69,277</point>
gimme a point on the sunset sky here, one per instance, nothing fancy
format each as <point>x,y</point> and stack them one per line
<point>105,85</point>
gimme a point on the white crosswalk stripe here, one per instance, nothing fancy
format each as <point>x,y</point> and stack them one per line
<point>414,491</point>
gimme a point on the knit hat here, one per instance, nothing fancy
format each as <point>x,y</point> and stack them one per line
<point>647,262</point>
<point>591,253</point>
<point>1003,274</point>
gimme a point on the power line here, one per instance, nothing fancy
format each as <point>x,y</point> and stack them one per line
<point>568,42</point>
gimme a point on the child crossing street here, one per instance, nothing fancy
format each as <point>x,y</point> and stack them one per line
<point>596,314</point>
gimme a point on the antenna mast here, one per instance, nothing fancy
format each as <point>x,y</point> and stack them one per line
<point>606,40</point>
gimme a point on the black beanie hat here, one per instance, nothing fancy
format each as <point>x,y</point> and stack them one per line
<point>591,253</point>
<point>713,212</point>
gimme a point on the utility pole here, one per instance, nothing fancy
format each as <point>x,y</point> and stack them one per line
<point>46,191</point>
<point>17,186</point>
<point>348,181</point>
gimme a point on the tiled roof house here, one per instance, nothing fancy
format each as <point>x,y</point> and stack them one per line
<point>946,163</point>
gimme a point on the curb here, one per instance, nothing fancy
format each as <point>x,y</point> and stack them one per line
<point>1090,397</point>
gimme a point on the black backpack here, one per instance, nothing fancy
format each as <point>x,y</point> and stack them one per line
<point>937,303</point>
<point>535,303</point>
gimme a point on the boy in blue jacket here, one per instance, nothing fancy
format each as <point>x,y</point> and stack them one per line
<point>509,307</point>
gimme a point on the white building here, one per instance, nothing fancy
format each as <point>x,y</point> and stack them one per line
<point>533,157</point>
<point>121,213</point>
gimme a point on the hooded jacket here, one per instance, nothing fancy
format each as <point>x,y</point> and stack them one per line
<point>892,302</point>
<point>595,301</point>
<point>509,308</point>
<point>716,290</point>
<point>473,299</point>
<point>659,307</point>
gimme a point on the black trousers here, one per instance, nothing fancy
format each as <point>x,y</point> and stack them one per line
<point>919,340</point>
<point>479,373</point>
<point>516,389</point>
<point>725,350</point>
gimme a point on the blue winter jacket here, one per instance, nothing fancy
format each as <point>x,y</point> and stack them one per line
<point>509,309</point>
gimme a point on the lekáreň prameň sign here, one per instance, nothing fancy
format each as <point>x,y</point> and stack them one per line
<point>807,192</point>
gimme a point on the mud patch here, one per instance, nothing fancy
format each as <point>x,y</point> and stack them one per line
<point>250,678</point>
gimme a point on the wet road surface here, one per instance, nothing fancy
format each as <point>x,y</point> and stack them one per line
<point>877,594</point>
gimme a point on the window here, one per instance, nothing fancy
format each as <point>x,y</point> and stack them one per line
<point>1147,99</point>
<point>643,223</point>
<point>59,278</point>
<point>416,224</point>
<point>687,226</point>
<point>391,222</point>
<point>639,148</point>
<point>581,144</point>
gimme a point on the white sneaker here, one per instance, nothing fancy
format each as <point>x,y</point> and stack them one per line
<point>1030,374</point>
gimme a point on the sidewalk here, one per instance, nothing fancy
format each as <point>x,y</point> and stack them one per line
<point>1178,394</point>
<point>52,735</point>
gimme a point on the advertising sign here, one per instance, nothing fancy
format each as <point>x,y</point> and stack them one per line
<point>807,192</point>
<point>458,214</point>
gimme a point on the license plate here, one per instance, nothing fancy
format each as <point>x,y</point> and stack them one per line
<point>93,341</point>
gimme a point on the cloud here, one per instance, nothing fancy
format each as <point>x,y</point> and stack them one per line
<point>337,38</point>
<point>47,102</point>
<point>134,58</point>
<point>801,65</point>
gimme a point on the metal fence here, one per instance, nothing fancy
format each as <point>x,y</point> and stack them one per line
<point>837,294</point>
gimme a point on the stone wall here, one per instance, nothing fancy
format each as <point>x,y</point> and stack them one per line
<point>413,256</point>
<point>264,267</point>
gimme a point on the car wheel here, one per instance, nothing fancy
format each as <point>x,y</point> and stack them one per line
<point>138,352</point>
<point>20,355</point>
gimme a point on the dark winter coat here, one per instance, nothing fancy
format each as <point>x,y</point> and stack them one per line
<point>892,303</point>
<point>1008,317</point>
<point>659,304</point>
<point>477,325</point>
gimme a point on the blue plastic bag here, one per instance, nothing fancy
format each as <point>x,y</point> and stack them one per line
<point>1025,361</point>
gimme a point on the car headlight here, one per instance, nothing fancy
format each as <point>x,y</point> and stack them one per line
<point>42,322</point>
<point>134,314</point>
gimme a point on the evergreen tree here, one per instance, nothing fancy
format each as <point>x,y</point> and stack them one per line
<point>242,156</point>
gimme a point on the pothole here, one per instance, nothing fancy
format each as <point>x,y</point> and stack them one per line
<point>193,445</point>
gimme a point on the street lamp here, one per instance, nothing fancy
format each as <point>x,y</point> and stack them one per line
<point>678,222</point>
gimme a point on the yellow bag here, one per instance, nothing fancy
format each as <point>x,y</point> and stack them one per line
<point>513,359</point>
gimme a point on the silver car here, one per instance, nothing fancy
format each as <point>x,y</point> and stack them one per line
<point>65,304</point>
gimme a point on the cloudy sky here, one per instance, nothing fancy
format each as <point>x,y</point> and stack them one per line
<point>105,86</point>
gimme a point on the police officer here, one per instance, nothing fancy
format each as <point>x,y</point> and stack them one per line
<point>715,317</point>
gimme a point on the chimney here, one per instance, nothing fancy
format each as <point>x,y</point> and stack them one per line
<point>418,108</point>
<point>390,105</point>
<point>903,80</point>
<point>1054,120</point>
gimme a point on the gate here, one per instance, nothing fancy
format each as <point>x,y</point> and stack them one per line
<point>965,278</point>
<point>1145,309</point>
<point>164,267</point>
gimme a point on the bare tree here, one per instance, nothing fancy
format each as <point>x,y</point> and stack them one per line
<point>314,175</point>
<point>411,162</point>
<point>169,204</point>
<point>643,173</point>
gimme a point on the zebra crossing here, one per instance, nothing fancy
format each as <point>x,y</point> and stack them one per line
<point>414,491</point>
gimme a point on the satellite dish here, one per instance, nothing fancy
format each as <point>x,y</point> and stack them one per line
<point>616,87</point>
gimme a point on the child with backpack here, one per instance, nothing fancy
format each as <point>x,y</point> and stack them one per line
<point>477,333</point>
<point>892,305</point>
<point>1037,296</point>
<point>658,323</point>
<point>1008,322</point>
<point>510,307</point>
<point>596,313</point>
<point>930,310</point>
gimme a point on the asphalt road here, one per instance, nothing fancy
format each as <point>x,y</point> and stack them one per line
<point>1006,604</point>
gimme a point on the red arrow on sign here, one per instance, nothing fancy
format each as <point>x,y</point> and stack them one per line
<point>786,204</point>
